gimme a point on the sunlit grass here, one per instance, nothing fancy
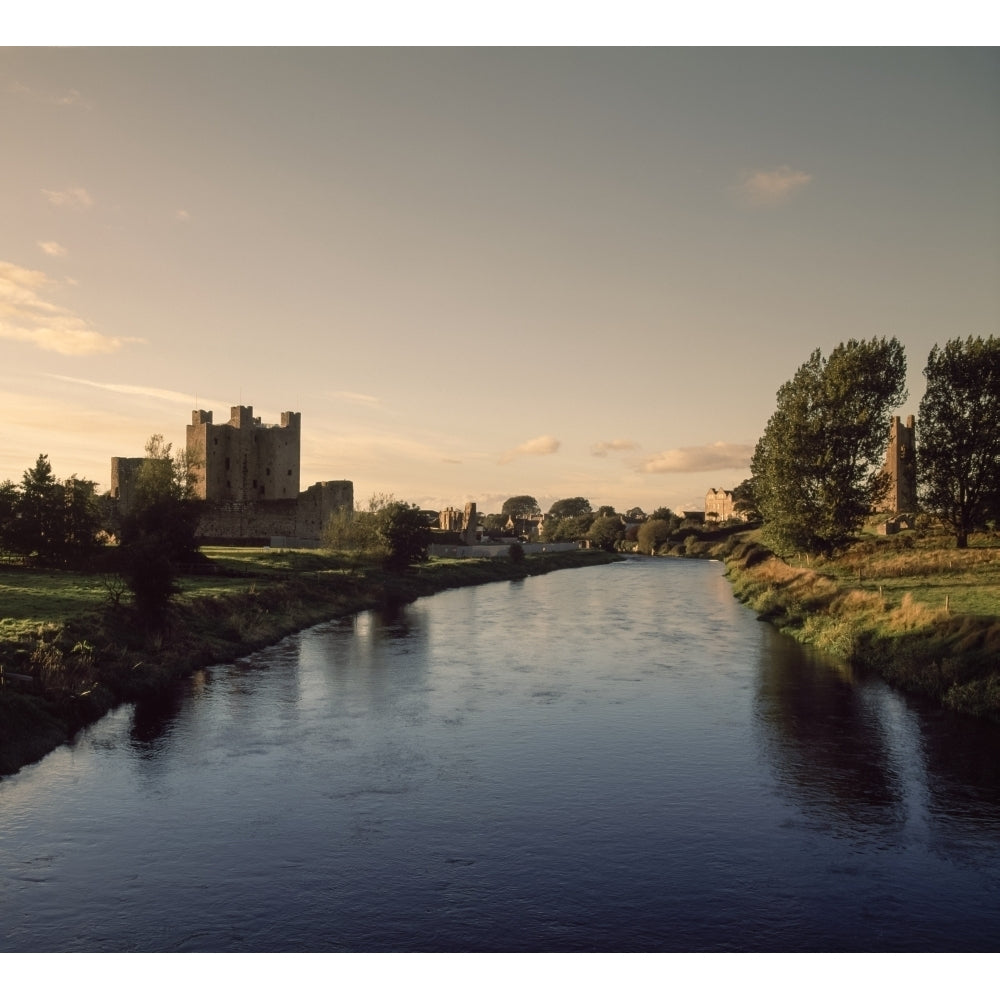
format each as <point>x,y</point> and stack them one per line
<point>35,597</point>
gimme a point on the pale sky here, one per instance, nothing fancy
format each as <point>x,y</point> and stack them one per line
<point>479,272</point>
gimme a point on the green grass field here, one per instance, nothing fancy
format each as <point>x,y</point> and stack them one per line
<point>928,569</point>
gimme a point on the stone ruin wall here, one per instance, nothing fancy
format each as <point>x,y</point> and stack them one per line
<point>258,521</point>
<point>465,522</point>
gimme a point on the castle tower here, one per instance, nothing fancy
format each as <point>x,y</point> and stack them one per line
<point>901,467</point>
<point>245,459</point>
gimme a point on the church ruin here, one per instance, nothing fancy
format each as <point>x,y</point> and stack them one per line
<point>901,468</point>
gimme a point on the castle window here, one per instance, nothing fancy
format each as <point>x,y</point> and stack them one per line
<point>227,464</point>
<point>289,471</point>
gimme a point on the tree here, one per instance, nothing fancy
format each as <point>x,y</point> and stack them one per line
<point>10,497</point>
<point>817,467</point>
<point>567,529</point>
<point>635,515</point>
<point>404,533</point>
<point>958,455</point>
<point>606,532</point>
<point>38,512</point>
<point>606,511</point>
<point>570,507</point>
<point>493,524</point>
<point>158,536</point>
<point>652,534</point>
<point>520,507</point>
<point>358,530</point>
<point>81,519</point>
<point>745,500</point>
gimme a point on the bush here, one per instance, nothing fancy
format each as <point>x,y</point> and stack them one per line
<point>516,552</point>
<point>405,534</point>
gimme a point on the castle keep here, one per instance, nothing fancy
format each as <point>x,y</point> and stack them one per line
<point>247,474</point>
<point>245,459</point>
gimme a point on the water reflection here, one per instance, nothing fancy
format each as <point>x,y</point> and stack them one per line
<point>825,740</point>
<point>854,753</point>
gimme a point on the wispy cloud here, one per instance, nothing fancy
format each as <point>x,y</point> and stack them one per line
<point>545,445</point>
<point>52,248</point>
<point>65,99</point>
<point>77,198</point>
<point>356,397</point>
<point>700,458</point>
<point>182,215</point>
<point>772,187</point>
<point>602,448</point>
<point>26,315</point>
<point>168,395</point>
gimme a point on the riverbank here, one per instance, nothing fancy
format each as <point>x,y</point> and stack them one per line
<point>934,650</point>
<point>61,676</point>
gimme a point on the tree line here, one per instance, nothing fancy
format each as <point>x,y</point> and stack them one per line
<point>817,471</point>
<point>65,524</point>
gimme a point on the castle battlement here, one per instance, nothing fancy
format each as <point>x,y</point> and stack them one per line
<point>245,459</point>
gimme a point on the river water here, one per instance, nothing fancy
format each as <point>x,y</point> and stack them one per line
<point>619,758</point>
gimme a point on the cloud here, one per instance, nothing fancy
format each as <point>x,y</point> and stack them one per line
<point>545,445</point>
<point>601,449</point>
<point>68,98</point>
<point>771,187</point>
<point>357,397</point>
<point>169,395</point>
<point>52,248</point>
<point>69,198</point>
<point>26,315</point>
<point>182,215</point>
<point>700,458</point>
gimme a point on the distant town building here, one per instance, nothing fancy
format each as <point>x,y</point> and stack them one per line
<point>465,522</point>
<point>719,507</point>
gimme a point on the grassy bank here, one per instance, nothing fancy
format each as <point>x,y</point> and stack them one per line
<point>921,614</point>
<point>71,647</point>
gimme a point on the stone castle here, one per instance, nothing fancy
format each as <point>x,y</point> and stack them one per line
<point>247,474</point>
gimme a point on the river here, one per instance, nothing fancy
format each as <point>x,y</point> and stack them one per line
<point>618,758</point>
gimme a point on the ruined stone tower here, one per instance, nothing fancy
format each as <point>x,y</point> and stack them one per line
<point>245,459</point>
<point>901,467</point>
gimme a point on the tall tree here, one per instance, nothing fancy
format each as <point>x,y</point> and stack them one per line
<point>817,468</point>
<point>521,506</point>
<point>10,498</point>
<point>958,454</point>
<point>39,512</point>
<point>606,532</point>
<point>81,518</point>
<point>570,507</point>
<point>745,500</point>
<point>405,534</point>
<point>159,535</point>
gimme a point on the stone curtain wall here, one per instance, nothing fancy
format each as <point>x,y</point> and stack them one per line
<point>257,521</point>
